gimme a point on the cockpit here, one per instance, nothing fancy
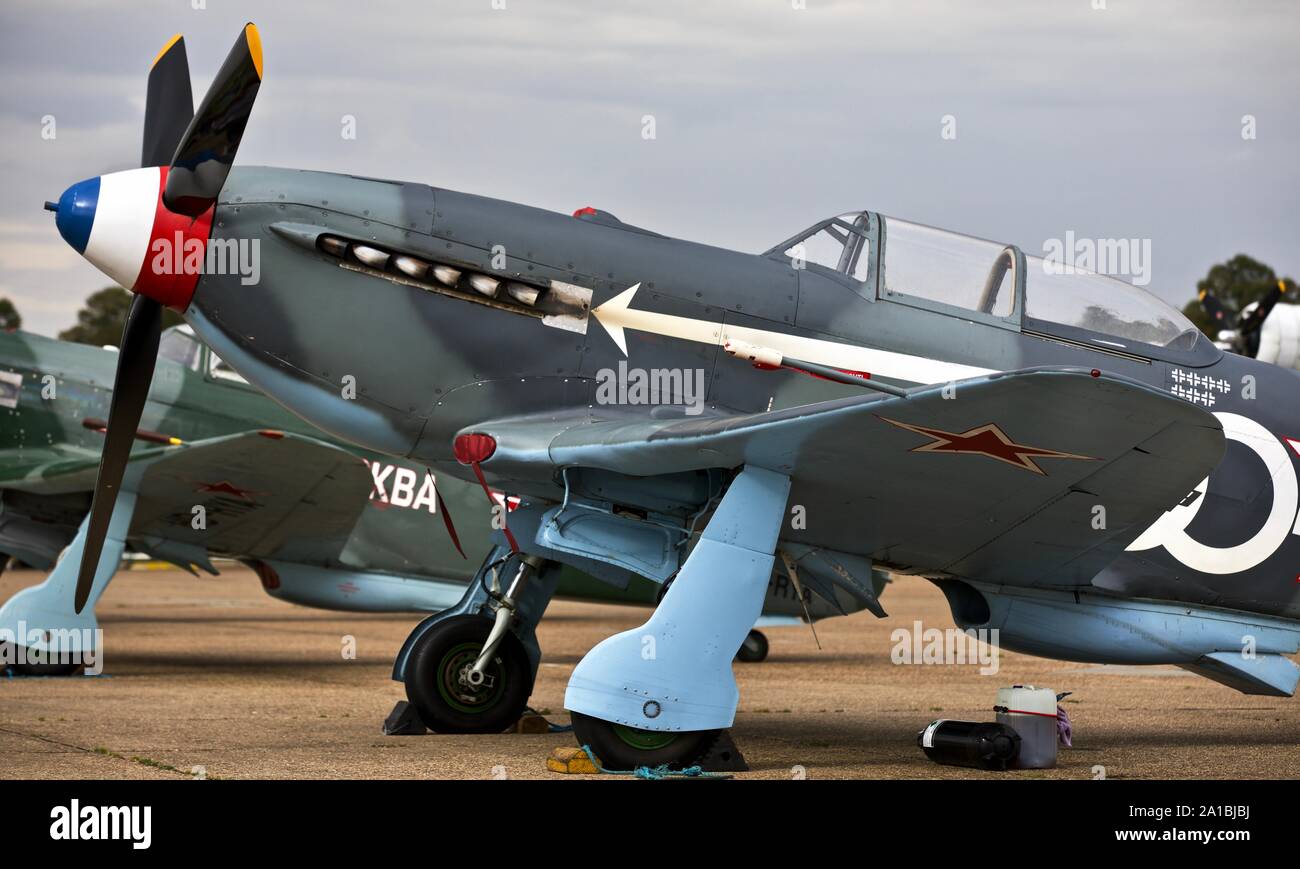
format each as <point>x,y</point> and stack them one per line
<point>180,345</point>
<point>840,244</point>
<point>961,275</point>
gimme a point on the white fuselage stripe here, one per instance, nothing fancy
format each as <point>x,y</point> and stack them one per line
<point>878,363</point>
<point>616,315</point>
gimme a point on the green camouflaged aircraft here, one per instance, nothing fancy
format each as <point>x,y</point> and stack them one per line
<point>218,469</point>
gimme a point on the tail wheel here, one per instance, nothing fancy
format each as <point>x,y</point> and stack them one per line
<point>620,747</point>
<point>438,686</point>
<point>753,649</point>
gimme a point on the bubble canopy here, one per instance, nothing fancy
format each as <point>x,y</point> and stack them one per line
<point>1059,293</point>
<point>972,274</point>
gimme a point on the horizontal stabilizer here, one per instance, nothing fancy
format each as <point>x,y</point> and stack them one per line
<point>1270,675</point>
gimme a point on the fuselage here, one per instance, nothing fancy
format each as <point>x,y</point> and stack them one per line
<point>426,364</point>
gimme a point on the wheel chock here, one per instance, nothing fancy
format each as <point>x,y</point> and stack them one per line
<point>724,756</point>
<point>571,761</point>
<point>404,721</point>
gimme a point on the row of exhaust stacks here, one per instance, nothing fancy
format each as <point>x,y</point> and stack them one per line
<point>419,270</point>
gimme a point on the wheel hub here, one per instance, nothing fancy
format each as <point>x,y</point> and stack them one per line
<point>471,678</point>
<point>644,740</point>
<point>463,689</point>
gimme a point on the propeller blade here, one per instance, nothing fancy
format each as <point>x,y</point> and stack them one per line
<point>203,158</point>
<point>169,106</point>
<point>1211,305</point>
<point>135,364</point>
<point>1255,319</point>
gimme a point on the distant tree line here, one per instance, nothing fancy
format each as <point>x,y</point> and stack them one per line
<point>99,322</point>
<point>10,319</point>
<point>1236,283</point>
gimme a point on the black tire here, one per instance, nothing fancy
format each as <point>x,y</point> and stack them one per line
<point>622,748</point>
<point>753,649</point>
<point>64,669</point>
<point>448,705</point>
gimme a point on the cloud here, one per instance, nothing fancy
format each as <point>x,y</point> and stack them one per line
<point>1116,123</point>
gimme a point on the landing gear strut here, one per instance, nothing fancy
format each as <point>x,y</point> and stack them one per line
<point>60,641</point>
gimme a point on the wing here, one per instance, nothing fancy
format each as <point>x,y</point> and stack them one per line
<point>1034,476</point>
<point>294,500</point>
<point>261,496</point>
<point>265,495</point>
<point>50,470</point>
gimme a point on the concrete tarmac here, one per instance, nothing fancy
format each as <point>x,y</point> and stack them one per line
<point>210,676</point>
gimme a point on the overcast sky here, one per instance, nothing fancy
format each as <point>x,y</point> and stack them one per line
<point>1117,123</point>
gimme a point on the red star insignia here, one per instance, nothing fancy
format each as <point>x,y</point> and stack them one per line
<point>985,440</point>
<point>225,487</point>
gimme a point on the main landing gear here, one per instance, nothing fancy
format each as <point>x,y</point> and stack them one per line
<point>52,638</point>
<point>659,695</point>
<point>470,669</point>
<point>451,695</point>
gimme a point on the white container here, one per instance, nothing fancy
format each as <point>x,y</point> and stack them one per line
<point>1031,712</point>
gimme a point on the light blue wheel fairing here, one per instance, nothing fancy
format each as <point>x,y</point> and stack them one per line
<point>674,672</point>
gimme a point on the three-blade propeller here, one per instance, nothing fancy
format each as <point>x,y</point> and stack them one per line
<point>199,148</point>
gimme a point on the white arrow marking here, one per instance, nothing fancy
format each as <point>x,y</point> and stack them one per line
<point>616,315</point>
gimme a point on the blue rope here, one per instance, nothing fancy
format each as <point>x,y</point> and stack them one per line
<point>656,773</point>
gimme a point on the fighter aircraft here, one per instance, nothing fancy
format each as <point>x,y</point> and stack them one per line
<point>1063,454</point>
<point>322,525</point>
